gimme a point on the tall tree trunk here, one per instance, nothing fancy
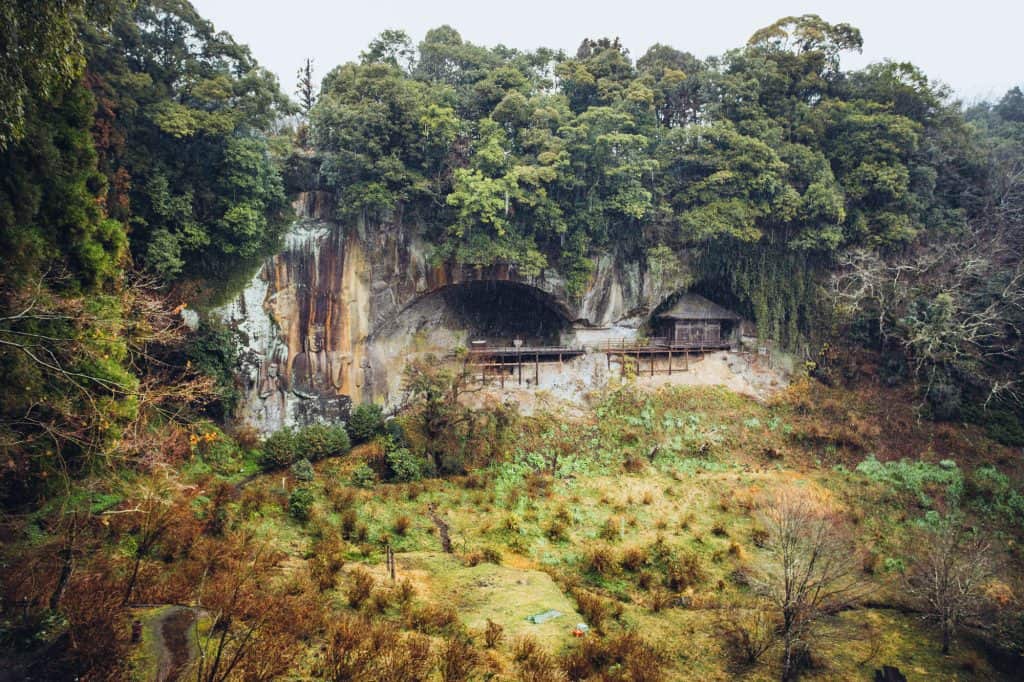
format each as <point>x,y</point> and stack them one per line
<point>67,567</point>
<point>131,581</point>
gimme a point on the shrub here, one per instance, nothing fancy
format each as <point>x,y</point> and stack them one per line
<point>349,519</point>
<point>405,591</point>
<point>359,588</point>
<point>611,529</point>
<point>556,531</point>
<point>380,601</point>
<point>600,560</point>
<point>365,423</point>
<point>479,556</point>
<point>302,470</point>
<point>431,619</point>
<point>593,608</point>
<point>914,477</point>
<point>458,660</point>
<point>320,440</point>
<point>633,559</point>
<point>684,571</point>
<point>402,524</point>
<point>759,536</point>
<point>628,654</point>
<point>342,498</point>
<point>661,599</point>
<point>404,465</point>
<point>354,647</point>
<point>326,561</point>
<point>525,647</point>
<point>634,464</point>
<point>493,634</point>
<point>748,633</point>
<point>363,476</point>
<point>300,503</point>
<point>283,447</point>
<point>278,450</point>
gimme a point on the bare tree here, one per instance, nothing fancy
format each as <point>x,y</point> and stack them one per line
<point>811,572</point>
<point>748,631</point>
<point>948,577</point>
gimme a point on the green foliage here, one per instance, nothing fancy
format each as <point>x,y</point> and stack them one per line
<point>300,503</point>
<point>366,422</point>
<point>920,479</point>
<point>363,476</point>
<point>42,55</point>
<point>286,446</point>
<point>404,465</point>
<point>303,471</point>
<point>992,492</point>
<point>771,159</point>
<point>213,350</point>
<point>183,120</point>
<point>279,450</point>
<point>317,441</point>
<point>51,205</point>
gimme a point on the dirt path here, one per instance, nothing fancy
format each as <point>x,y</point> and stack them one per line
<point>174,644</point>
<point>442,528</point>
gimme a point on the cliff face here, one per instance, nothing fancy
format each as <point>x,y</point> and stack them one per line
<point>331,320</point>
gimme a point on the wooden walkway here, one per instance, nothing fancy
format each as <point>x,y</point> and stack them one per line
<point>508,361</point>
<point>653,349</point>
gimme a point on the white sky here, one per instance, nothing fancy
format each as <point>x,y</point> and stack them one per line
<point>972,46</point>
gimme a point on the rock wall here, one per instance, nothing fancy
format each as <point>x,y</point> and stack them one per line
<point>331,320</point>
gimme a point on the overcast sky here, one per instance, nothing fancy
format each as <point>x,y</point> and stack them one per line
<point>974,46</point>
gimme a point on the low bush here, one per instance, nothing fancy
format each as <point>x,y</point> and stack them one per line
<point>359,588</point>
<point>684,571</point>
<point>286,446</point>
<point>365,423</point>
<point>457,659</point>
<point>747,633</point>
<point>557,531</point>
<point>593,608</point>
<point>300,503</point>
<point>600,560</point>
<point>493,634</point>
<point>402,524</point>
<point>363,476</point>
<point>326,561</point>
<point>632,657</point>
<point>633,559</point>
<point>321,440</point>
<point>403,465</point>
<point>302,470</point>
<point>354,647</point>
<point>431,619</point>
<point>278,450</point>
<point>917,478</point>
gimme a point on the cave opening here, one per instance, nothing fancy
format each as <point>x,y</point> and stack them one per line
<point>500,312</point>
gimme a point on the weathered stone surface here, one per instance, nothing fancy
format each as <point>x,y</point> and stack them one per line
<point>331,319</point>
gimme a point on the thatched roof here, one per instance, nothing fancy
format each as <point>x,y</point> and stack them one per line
<point>694,307</point>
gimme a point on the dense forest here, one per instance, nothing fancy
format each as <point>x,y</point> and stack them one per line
<point>866,220</point>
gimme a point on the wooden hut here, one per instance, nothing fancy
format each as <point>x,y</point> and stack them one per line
<point>696,322</point>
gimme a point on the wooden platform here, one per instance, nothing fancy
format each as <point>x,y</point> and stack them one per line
<point>678,355</point>
<point>659,346</point>
<point>512,355</point>
<point>501,362</point>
